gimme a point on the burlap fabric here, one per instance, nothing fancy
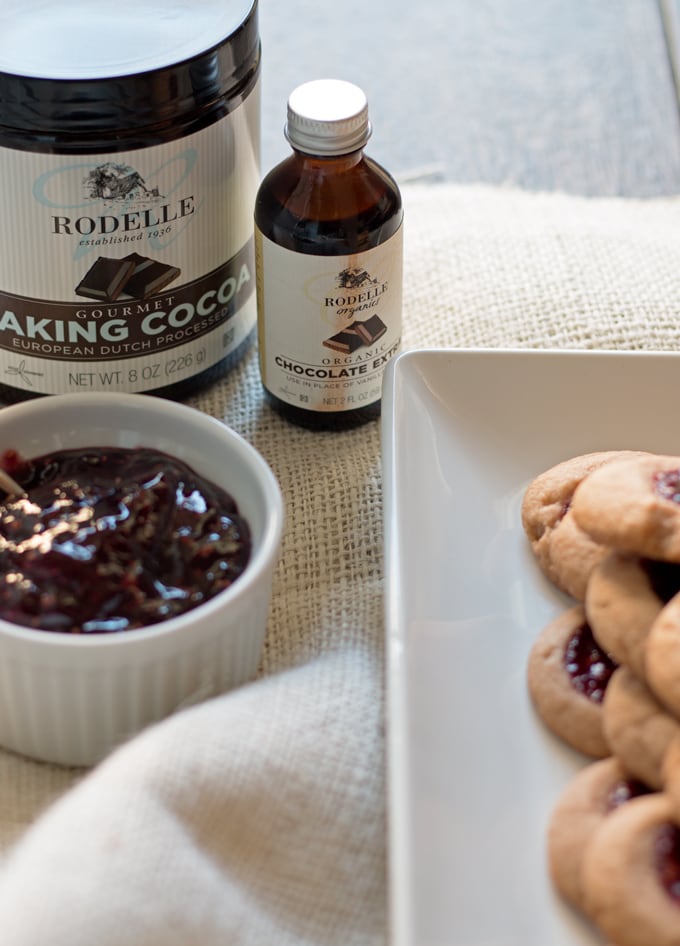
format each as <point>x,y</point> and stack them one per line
<point>259,818</point>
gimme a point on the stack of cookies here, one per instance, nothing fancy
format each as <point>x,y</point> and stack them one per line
<point>605,677</point>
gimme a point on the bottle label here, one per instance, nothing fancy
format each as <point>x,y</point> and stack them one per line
<point>128,271</point>
<point>328,325</point>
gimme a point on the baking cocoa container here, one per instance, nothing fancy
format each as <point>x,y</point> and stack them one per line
<point>129,164</point>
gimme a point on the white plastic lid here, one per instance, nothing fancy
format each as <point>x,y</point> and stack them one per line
<point>327,116</point>
<point>82,39</point>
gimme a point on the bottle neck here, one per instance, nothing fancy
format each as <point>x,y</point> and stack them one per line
<point>331,162</point>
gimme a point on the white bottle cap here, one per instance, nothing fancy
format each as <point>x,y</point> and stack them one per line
<point>327,117</point>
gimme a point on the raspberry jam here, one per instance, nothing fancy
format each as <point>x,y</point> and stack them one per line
<point>112,539</point>
<point>589,667</point>
<point>667,485</point>
<point>625,790</point>
<point>667,856</point>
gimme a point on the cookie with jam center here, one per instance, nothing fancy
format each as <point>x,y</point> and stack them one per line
<point>633,506</point>
<point>565,554</point>
<point>624,597</point>
<point>637,727</point>
<point>567,677</point>
<point>594,793</point>
<point>631,874</point>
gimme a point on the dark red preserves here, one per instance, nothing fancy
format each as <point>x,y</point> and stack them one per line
<point>112,539</point>
<point>588,666</point>
<point>625,790</point>
<point>667,485</point>
<point>667,854</point>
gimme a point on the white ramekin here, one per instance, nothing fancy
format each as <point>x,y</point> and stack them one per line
<point>69,698</point>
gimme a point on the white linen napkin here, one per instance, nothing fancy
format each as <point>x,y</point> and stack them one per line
<point>258,818</point>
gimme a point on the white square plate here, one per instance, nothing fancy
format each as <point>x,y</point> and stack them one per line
<point>473,775</point>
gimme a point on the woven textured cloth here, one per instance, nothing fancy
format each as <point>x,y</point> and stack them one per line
<point>259,817</point>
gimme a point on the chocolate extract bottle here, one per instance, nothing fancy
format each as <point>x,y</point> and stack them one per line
<point>328,243</point>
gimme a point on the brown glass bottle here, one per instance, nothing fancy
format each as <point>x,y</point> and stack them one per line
<point>340,205</point>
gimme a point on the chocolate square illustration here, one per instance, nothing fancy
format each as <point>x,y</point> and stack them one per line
<point>346,341</point>
<point>370,330</point>
<point>148,277</point>
<point>105,279</point>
